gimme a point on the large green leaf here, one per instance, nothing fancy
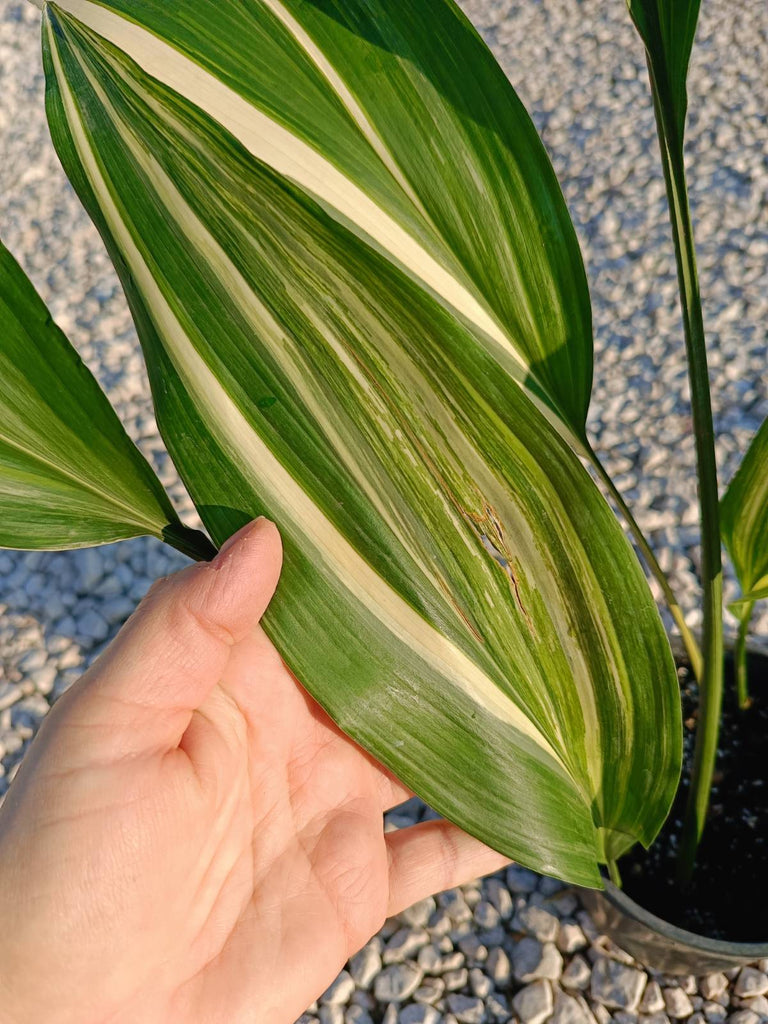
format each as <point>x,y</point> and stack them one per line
<point>744,516</point>
<point>69,474</point>
<point>456,592</point>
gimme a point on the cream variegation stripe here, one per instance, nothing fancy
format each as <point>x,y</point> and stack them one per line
<point>341,89</point>
<point>257,461</point>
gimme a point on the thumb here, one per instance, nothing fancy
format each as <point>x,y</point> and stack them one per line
<point>175,647</point>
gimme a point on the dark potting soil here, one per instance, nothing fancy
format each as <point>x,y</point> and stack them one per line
<point>727,897</point>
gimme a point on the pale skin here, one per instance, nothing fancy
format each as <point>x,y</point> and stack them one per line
<point>190,838</point>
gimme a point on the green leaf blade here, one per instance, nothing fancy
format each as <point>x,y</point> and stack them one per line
<point>351,132</point>
<point>668,28</point>
<point>744,517</point>
<point>456,593</point>
<point>69,474</point>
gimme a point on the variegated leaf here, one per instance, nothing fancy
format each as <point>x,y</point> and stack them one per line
<point>456,592</point>
<point>69,474</point>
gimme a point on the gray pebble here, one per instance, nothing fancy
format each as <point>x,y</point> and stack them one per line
<point>466,1009</point>
<point>454,980</point>
<point>497,1007</point>
<point>577,974</point>
<point>91,625</point>
<point>44,678</point>
<point>430,991</point>
<point>759,1005</point>
<point>454,902</point>
<point>486,915</point>
<point>653,998</point>
<point>439,923</point>
<point>430,959</point>
<point>480,983</point>
<point>539,923</point>
<point>33,660</point>
<point>534,1003</point>
<point>357,1015</point>
<point>397,982</point>
<point>549,886</point>
<point>452,961</point>
<point>615,985</point>
<point>473,948</point>
<point>677,1003</point>
<point>70,658</point>
<point>570,937</point>
<point>500,896</point>
<point>404,944</point>
<point>339,991</point>
<point>420,913</point>
<point>712,985</point>
<point>9,695</point>
<point>751,982</point>
<point>564,905</point>
<point>419,1014</point>
<point>365,965</point>
<point>521,880</point>
<point>526,958</point>
<point>91,565</point>
<point>568,1010</point>
<point>498,967</point>
<point>744,1017</point>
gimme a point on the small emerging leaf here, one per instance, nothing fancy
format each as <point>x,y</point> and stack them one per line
<point>744,518</point>
<point>741,603</point>
<point>69,474</point>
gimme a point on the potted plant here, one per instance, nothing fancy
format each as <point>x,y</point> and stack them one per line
<point>364,313</point>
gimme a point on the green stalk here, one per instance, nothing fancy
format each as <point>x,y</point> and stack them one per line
<point>740,656</point>
<point>711,680</point>
<point>189,542</point>
<point>692,648</point>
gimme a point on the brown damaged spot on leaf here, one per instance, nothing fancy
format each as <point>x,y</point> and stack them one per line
<point>490,532</point>
<point>459,610</point>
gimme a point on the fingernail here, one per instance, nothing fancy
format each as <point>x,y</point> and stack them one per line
<point>241,534</point>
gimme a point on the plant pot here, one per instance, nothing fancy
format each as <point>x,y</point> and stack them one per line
<point>660,945</point>
<point>667,947</point>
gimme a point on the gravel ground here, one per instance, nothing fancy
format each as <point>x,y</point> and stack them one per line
<point>516,945</point>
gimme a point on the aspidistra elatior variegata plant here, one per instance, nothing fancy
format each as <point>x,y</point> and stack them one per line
<point>364,313</point>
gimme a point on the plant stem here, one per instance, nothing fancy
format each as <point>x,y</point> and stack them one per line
<point>615,875</point>
<point>740,656</point>
<point>691,647</point>
<point>189,542</point>
<point>711,680</point>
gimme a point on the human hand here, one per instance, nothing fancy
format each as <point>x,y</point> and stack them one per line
<point>190,838</point>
